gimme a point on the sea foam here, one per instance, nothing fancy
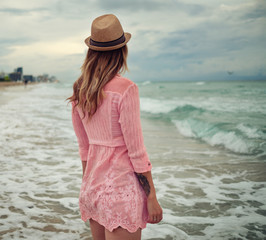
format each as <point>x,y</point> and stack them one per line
<point>209,121</point>
<point>215,136</point>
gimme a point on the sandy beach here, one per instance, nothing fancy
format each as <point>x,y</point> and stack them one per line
<point>12,84</point>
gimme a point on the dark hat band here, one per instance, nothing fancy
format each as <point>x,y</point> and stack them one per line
<point>108,44</point>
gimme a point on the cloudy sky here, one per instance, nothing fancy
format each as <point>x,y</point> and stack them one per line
<point>171,39</point>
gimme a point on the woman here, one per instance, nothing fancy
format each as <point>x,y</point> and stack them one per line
<point>117,192</point>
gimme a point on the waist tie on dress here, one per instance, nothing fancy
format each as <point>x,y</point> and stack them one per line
<point>113,143</point>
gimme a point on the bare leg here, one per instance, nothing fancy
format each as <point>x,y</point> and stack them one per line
<point>122,234</point>
<point>97,230</point>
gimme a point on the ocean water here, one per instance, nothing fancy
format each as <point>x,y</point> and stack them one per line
<point>206,141</point>
<point>228,114</point>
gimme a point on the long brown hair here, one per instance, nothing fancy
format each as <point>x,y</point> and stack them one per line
<point>98,69</point>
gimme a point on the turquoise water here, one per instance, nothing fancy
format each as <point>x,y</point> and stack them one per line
<point>231,115</point>
<point>206,142</point>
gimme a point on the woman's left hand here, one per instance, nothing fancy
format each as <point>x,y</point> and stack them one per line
<point>155,211</point>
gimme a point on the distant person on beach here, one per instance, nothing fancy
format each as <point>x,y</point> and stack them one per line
<point>25,82</point>
<point>117,193</point>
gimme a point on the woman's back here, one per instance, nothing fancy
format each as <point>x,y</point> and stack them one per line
<point>104,128</point>
<point>116,123</point>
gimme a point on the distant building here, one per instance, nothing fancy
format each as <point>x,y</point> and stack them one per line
<point>28,78</point>
<point>40,78</point>
<point>15,76</point>
<point>2,76</point>
<point>45,77</point>
<point>20,70</point>
<point>52,79</point>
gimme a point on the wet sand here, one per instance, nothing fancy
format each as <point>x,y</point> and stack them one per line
<point>206,192</point>
<point>10,84</point>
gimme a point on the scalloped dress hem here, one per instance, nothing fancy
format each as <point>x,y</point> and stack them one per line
<point>111,229</point>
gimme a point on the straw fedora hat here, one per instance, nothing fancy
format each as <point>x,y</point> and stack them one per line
<point>107,34</point>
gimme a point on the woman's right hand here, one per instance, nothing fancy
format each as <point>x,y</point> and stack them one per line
<point>154,209</point>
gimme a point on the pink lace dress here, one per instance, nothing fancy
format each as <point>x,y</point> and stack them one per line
<point>112,144</point>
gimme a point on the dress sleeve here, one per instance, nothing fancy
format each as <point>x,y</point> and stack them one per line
<point>131,128</point>
<point>81,134</point>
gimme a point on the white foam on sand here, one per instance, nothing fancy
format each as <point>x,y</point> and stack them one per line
<point>213,205</point>
<point>40,167</point>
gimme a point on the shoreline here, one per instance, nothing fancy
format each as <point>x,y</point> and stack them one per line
<point>10,84</point>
